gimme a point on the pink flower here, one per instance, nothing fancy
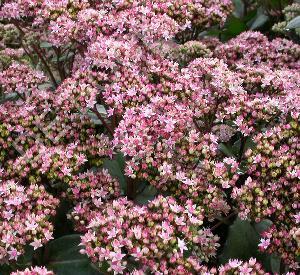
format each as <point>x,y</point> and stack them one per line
<point>66,171</point>
<point>116,256</point>
<point>297,218</point>
<point>31,225</point>
<point>112,233</point>
<point>13,254</point>
<point>34,271</point>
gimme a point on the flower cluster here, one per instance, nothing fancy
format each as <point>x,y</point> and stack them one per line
<point>156,236</point>
<point>189,51</point>
<point>89,192</point>
<point>201,13</point>
<point>253,48</point>
<point>239,267</point>
<point>76,93</point>
<point>153,19</point>
<point>33,271</point>
<point>10,49</point>
<point>290,12</point>
<point>282,241</point>
<point>174,156</point>
<point>53,162</point>
<point>26,211</point>
<point>129,72</point>
<point>34,128</point>
<point>272,188</point>
<point>234,266</point>
<point>9,35</point>
<point>20,79</point>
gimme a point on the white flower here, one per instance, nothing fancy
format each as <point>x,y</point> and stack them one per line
<point>181,245</point>
<point>36,244</point>
<point>234,263</point>
<point>264,243</point>
<point>137,230</point>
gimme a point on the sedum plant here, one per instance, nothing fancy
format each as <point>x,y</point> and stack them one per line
<point>131,143</point>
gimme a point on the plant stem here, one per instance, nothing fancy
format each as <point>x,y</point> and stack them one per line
<point>131,192</point>
<point>242,148</point>
<point>103,121</point>
<point>223,220</point>
<point>37,51</point>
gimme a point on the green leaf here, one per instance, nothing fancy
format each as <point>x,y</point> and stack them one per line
<point>243,167</point>
<point>259,20</point>
<point>262,226</point>
<point>249,17</point>
<point>242,242</point>
<point>7,97</point>
<point>62,225</point>
<point>121,161</point>
<point>116,168</point>
<point>25,260</point>
<point>46,85</point>
<point>226,150</point>
<point>66,57</point>
<point>5,269</point>
<point>239,8</point>
<point>293,24</point>
<point>249,144</point>
<point>275,264</point>
<point>213,32</point>
<point>236,147</point>
<point>147,195</point>
<point>236,26</point>
<point>63,257</point>
<point>45,45</point>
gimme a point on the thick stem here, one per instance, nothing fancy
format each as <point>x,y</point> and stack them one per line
<point>131,188</point>
<point>35,48</point>
<point>223,220</point>
<point>28,53</point>
<point>103,121</point>
<point>41,57</point>
<point>196,124</point>
<point>60,66</point>
<point>282,267</point>
<point>21,96</point>
<point>242,148</point>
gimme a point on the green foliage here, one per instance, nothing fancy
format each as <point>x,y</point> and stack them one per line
<point>293,24</point>
<point>246,16</point>
<point>5,269</point>
<point>242,243</point>
<point>147,194</point>
<point>116,169</point>
<point>258,20</point>
<point>63,257</point>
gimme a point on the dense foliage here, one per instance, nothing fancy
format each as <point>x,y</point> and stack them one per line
<point>149,137</point>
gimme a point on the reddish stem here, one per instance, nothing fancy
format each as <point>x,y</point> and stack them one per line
<point>223,220</point>
<point>103,121</point>
<point>36,49</point>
